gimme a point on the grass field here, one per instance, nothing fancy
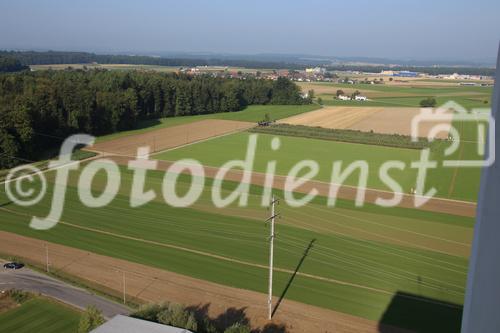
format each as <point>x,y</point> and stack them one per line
<point>295,149</point>
<point>403,95</point>
<point>363,261</point>
<point>359,260</point>
<point>453,183</point>
<point>252,113</point>
<point>40,315</point>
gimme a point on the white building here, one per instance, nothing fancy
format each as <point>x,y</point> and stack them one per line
<point>344,98</point>
<point>360,98</point>
<point>124,324</point>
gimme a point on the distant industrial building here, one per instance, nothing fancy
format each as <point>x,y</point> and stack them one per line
<point>316,70</point>
<point>405,74</point>
<point>399,73</point>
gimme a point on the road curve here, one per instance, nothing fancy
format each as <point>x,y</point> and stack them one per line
<point>26,279</point>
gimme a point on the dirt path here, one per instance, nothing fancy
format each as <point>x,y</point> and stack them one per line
<point>148,284</point>
<point>454,207</point>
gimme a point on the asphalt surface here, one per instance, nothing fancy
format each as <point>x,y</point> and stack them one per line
<point>26,279</point>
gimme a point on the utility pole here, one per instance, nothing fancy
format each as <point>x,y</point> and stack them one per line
<point>47,257</point>
<point>124,292</point>
<point>271,258</point>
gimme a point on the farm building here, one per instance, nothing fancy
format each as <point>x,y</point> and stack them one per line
<point>344,98</point>
<point>360,98</point>
<point>124,324</point>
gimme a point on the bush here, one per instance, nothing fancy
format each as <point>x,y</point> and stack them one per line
<point>176,315</point>
<point>150,311</point>
<point>206,326</point>
<point>90,319</point>
<point>238,328</point>
<point>429,102</point>
<point>20,296</point>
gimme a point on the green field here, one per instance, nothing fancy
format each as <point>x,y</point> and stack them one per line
<point>40,315</point>
<point>379,252</point>
<point>408,95</point>
<point>452,183</point>
<point>395,265</point>
<point>293,150</point>
<point>466,101</point>
<point>253,113</point>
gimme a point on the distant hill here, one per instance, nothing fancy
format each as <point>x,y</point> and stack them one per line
<point>272,61</point>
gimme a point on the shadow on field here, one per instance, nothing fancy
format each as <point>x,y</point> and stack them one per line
<point>147,123</point>
<point>224,320</point>
<point>230,317</point>
<point>6,203</point>
<point>289,283</point>
<point>420,314</point>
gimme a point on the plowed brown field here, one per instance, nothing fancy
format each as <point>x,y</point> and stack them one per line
<point>171,137</point>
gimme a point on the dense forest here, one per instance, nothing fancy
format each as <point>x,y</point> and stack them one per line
<point>10,64</point>
<point>39,108</point>
<point>60,57</point>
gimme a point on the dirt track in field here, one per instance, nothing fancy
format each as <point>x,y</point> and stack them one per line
<point>448,206</point>
<point>171,137</point>
<point>386,120</point>
<point>148,284</point>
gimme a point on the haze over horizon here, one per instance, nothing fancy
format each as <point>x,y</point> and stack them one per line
<point>419,30</point>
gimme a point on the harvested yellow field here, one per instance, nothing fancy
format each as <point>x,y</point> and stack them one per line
<point>387,120</point>
<point>328,89</point>
<point>332,117</point>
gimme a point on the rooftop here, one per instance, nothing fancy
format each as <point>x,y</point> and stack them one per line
<point>124,324</point>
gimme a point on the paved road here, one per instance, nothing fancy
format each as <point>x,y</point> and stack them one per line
<point>29,280</point>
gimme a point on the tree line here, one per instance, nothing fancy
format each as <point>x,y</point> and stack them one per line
<point>39,108</point>
<point>10,64</point>
<point>62,57</point>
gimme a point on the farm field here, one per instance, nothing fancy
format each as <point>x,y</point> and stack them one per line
<point>452,183</point>
<point>165,69</point>
<point>377,119</point>
<point>294,150</point>
<point>360,258</point>
<point>166,138</point>
<point>403,95</point>
<point>357,261</point>
<point>252,113</point>
<point>40,315</point>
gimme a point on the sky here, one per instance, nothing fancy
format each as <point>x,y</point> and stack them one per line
<point>397,29</point>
